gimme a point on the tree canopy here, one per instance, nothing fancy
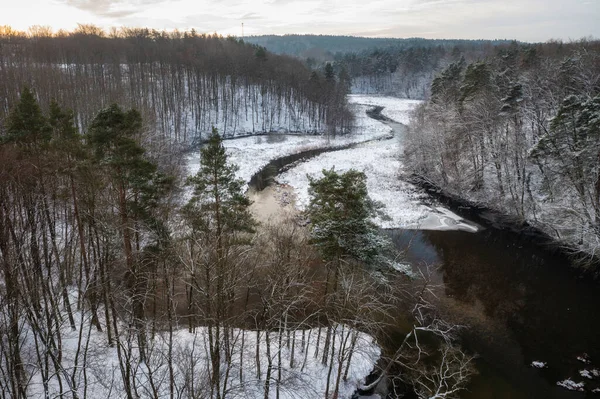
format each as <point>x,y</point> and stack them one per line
<point>340,212</point>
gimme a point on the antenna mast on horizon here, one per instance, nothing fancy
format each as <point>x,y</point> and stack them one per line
<point>242,30</point>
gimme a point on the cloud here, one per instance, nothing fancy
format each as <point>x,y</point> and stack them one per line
<point>251,15</point>
<point>111,8</point>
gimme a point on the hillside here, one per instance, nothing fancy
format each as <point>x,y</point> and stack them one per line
<point>182,83</point>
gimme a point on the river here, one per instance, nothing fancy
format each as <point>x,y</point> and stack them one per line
<point>520,302</point>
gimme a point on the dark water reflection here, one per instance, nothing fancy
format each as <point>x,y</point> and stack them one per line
<point>521,303</point>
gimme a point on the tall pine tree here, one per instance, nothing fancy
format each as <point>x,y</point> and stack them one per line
<point>219,220</point>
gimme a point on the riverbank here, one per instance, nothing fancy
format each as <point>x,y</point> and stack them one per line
<point>488,217</point>
<point>523,231</point>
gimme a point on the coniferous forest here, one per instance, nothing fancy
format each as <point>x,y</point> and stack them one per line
<point>121,275</point>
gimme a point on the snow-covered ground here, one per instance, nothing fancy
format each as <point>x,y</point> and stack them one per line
<point>96,372</point>
<point>251,154</point>
<point>379,158</point>
<point>397,109</point>
<point>381,161</point>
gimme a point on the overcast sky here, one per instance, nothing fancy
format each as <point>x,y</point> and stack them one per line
<point>527,20</point>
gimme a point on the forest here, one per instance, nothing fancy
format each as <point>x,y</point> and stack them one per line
<point>299,45</point>
<point>396,67</point>
<point>183,83</point>
<point>519,131</point>
<point>124,275</point>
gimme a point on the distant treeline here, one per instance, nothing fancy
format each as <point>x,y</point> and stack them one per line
<point>407,71</point>
<point>183,81</point>
<point>400,67</point>
<point>301,45</point>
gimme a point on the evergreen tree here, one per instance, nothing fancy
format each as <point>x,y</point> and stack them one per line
<point>136,186</point>
<point>329,73</point>
<point>345,81</point>
<point>218,217</point>
<point>26,123</point>
<point>573,148</point>
<point>445,87</point>
<point>218,203</point>
<point>340,212</point>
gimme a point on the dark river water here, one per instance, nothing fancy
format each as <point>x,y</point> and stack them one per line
<point>520,302</point>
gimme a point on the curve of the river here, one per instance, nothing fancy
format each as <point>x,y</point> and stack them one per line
<point>521,304</point>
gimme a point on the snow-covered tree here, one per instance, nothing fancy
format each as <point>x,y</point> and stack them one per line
<point>571,152</point>
<point>340,212</point>
<point>219,220</point>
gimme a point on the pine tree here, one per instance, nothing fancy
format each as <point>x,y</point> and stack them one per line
<point>219,220</point>
<point>136,185</point>
<point>329,73</point>
<point>573,148</point>
<point>218,203</point>
<point>340,212</point>
<point>26,123</point>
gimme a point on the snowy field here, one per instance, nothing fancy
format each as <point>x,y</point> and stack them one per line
<point>397,109</point>
<point>379,157</point>
<point>381,162</point>
<point>252,153</point>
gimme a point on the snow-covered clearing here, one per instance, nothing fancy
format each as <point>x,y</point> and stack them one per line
<point>379,157</point>
<point>381,162</point>
<point>252,153</point>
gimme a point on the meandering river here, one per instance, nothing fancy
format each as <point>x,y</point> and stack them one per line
<point>520,301</point>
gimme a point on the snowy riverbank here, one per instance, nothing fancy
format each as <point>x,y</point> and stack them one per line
<point>92,366</point>
<point>377,153</point>
<point>252,153</point>
<point>381,161</point>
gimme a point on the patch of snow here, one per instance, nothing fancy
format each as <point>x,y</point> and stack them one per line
<point>538,364</point>
<point>571,385</point>
<point>585,374</point>
<point>380,163</point>
<point>444,219</point>
<point>590,374</point>
<point>403,268</point>
<point>397,109</point>
<point>584,358</point>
